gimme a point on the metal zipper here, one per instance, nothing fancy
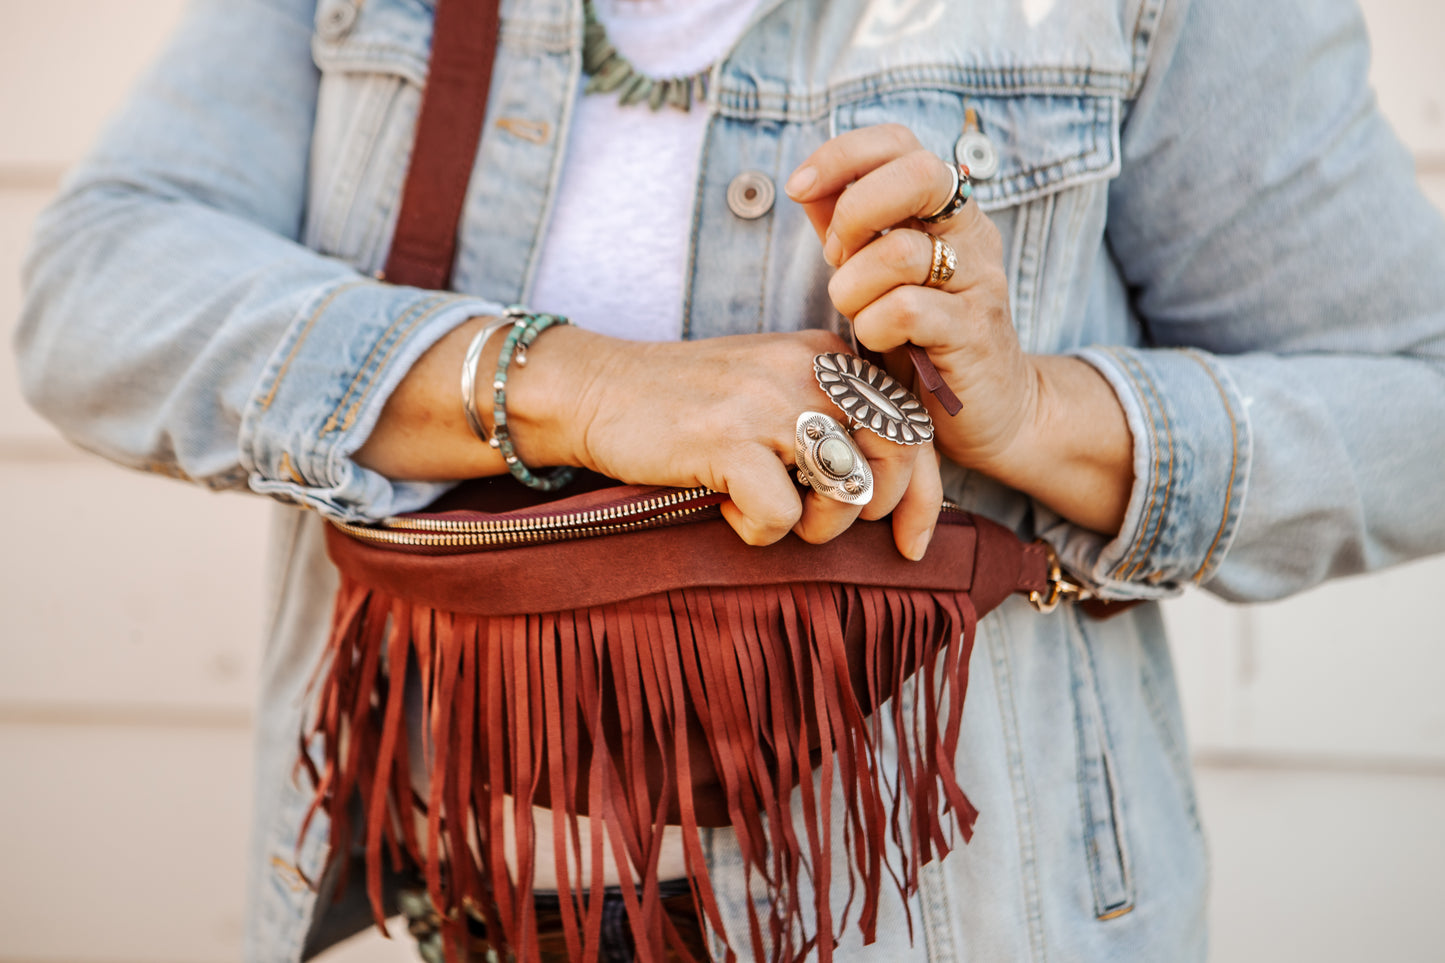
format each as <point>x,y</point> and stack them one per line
<point>665,509</point>
<point>669,508</point>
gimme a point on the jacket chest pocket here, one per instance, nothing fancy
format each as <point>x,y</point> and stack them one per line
<point>1041,163</point>
<point>373,62</point>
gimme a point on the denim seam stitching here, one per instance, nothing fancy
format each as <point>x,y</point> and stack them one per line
<point>431,311</point>
<point>1015,266</point>
<point>270,396</point>
<point>1142,44</point>
<point>1102,910</point>
<point>330,424</point>
<point>1170,469</point>
<point>993,629</point>
<point>345,183</point>
<point>1047,205</point>
<point>372,240</point>
<point>382,108</point>
<point>933,903</point>
<point>1086,818</point>
<point>699,192</point>
<point>767,249</point>
<point>391,60</point>
<point>565,124</point>
<point>1021,284</point>
<point>1111,782</point>
<point>1118,570</point>
<point>752,104</point>
<point>1198,576</point>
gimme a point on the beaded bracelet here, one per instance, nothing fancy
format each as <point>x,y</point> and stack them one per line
<point>526,329</point>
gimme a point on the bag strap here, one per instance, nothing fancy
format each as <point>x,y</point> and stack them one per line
<point>448,133</point>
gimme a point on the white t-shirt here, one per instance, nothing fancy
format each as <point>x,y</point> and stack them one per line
<point>615,255</point>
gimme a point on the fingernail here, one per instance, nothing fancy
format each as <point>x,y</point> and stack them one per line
<point>920,546</point>
<point>833,250</point>
<point>802,179</point>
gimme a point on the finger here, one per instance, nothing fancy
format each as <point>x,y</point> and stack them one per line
<point>893,467</point>
<point>820,214</point>
<point>928,318</point>
<point>824,519</point>
<point>846,158</point>
<point>763,504</point>
<point>905,188</point>
<point>897,258</point>
<point>917,512</point>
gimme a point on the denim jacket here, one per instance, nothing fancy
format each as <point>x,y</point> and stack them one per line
<point>1199,198</point>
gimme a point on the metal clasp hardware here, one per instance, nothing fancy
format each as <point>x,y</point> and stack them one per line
<point>1061,589</point>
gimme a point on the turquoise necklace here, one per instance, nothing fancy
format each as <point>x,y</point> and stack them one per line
<point>610,71</point>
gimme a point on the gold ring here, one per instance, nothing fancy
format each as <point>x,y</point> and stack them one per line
<point>945,262</point>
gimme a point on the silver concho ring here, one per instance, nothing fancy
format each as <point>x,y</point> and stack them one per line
<point>829,460</point>
<point>873,398</point>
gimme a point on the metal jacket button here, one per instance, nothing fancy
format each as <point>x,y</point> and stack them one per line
<point>334,20</point>
<point>975,151</point>
<point>751,194</point>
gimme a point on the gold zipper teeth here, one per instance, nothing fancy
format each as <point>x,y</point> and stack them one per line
<point>447,533</point>
<point>545,522</point>
<point>463,539</point>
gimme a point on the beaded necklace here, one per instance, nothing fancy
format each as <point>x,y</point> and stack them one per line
<point>610,71</point>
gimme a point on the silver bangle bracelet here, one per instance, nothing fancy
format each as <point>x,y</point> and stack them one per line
<point>469,376</point>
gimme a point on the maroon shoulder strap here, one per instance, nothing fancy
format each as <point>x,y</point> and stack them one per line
<point>448,132</point>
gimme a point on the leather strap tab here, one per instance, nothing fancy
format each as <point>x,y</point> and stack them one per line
<point>929,377</point>
<point>449,130</point>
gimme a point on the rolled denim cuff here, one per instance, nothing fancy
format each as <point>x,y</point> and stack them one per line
<point>1192,448</point>
<point>323,390</point>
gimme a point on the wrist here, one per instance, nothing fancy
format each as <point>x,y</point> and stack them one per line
<point>1073,450</point>
<point>551,399</point>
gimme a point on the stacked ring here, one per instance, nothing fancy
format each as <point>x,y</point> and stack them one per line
<point>945,262</point>
<point>957,197</point>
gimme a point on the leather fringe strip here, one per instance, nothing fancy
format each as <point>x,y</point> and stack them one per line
<point>714,705</point>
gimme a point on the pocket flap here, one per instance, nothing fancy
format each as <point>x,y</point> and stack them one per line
<point>377,36</point>
<point>1044,142</point>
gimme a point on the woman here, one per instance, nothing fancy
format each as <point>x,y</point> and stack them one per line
<point>1197,325</point>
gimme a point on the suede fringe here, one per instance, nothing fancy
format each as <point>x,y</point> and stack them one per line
<point>752,687</point>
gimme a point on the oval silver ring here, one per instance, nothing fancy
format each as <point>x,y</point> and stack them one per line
<point>873,399</point>
<point>830,461</point>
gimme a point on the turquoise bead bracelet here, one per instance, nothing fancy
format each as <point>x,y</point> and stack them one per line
<point>525,331</point>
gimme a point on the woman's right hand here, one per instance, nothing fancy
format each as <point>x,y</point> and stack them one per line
<point>719,412</point>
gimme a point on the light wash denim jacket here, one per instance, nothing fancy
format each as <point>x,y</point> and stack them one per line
<point>1201,199</point>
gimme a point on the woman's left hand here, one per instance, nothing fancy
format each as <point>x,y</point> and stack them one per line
<point>1048,425</point>
<point>872,235</point>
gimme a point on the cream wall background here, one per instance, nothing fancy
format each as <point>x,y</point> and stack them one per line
<point>1318,725</point>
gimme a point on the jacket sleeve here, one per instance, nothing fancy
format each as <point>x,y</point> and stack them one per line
<point>172,321</point>
<point>1288,403</point>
